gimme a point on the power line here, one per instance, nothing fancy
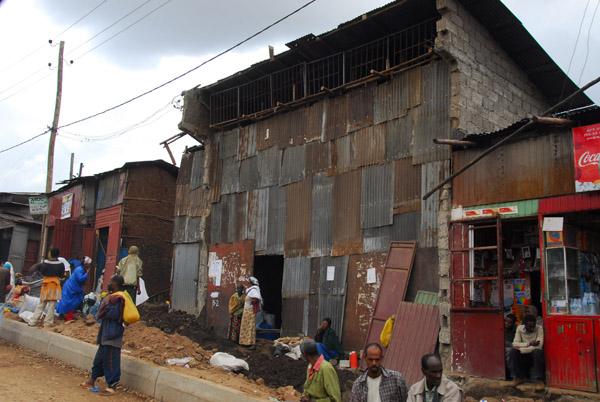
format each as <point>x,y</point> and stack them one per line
<point>173,79</point>
<point>587,51</point>
<point>24,79</point>
<point>27,87</point>
<point>574,49</point>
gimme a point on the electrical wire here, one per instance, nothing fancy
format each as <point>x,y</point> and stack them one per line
<point>587,51</point>
<point>126,28</point>
<point>562,91</point>
<point>23,80</point>
<point>23,157</point>
<point>173,79</point>
<point>27,87</point>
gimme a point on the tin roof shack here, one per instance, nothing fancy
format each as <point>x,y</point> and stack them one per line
<point>525,231</point>
<point>319,157</point>
<point>102,215</point>
<point>19,231</point>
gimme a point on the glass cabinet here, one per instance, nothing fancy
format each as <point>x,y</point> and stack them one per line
<point>563,278</point>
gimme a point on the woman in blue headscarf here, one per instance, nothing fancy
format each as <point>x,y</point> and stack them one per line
<point>72,292</point>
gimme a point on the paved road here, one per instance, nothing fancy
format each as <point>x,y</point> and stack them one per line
<point>27,376</point>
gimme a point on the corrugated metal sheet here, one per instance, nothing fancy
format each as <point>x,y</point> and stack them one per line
<point>108,191</point>
<point>377,196</point>
<point>332,293</point>
<point>406,227</point>
<point>228,142</point>
<point>361,297</point>
<point>316,157</point>
<point>89,198</point>
<point>182,199</point>
<point>247,144</point>
<point>240,216</point>
<point>216,173</point>
<point>179,224</point>
<point>407,186</point>
<point>394,98</point>
<point>230,180</point>
<point>266,134</point>
<point>347,235</point>
<point>343,154</point>
<point>197,171</point>
<point>292,169</point>
<point>215,223</point>
<point>291,128</point>
<point>398,138</point>
<point>431,174</point>
<point>533,168</point>
<point>376,239</point>
<point>296,277</point>
<point>107,216</point>
<point>315,123</point>
<point>429,298</point>
<point>269,167</point>
<point>276,220</point>
<point>570,203</point>
<point>258,214</point>
<point>18,247</point>
<point>360,104</point>
<point>249,174</point>
<point>185,170</point>
<point>370,145</point>
<point>55,204</point>
<point>294,317</point>
<point>435,114</point>
<point>228,218</point>
<point>186,261</point>
<point>321,237</point>
<point>298,218</point>
<point>198,201</point>
<point>416,336</point>
<point>336,117</point>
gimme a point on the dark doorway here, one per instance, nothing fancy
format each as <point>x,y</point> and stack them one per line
<point>268,269</point>
<point>102,240</point>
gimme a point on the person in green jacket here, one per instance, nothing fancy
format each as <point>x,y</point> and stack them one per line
<point>322,383</point>
<point>327,341</point>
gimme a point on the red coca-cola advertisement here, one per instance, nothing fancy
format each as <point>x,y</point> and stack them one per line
<point>586,149</point>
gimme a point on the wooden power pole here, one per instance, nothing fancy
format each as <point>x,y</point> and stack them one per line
<point>53,130</point>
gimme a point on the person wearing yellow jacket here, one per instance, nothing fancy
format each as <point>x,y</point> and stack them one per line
<point>130,268</point>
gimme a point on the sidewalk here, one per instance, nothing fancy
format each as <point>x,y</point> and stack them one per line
<point>157,382</point>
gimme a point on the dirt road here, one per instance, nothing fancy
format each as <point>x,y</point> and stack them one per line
<point>27,376</point>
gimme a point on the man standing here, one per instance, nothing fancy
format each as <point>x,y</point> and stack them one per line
<point>378,384</point>
<point>5,287</point>
<point>52,270</point>
<point>527,351</point>
<point>107,362</point>
<point>327,341</point>
<point>130,268</point>
<point>434,386</point>
<point>322,383</point>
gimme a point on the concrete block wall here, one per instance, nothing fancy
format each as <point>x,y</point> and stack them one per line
<point>490,91</point>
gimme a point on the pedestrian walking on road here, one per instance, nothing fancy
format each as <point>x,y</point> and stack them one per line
<point>130,268</point>
<point>107,362</point>
<point>52,270</point>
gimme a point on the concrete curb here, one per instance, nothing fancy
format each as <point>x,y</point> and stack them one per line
<point>157,382</point>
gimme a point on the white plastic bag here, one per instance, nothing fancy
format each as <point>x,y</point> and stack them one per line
<point>228,362</point>
<point>30,303</point>
<point>26,316</point>
<point>179,362</point>
<point>294,353</point>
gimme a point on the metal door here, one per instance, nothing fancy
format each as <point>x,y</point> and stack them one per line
<point>18,247</point>
<point>186,264</point>
<point>477,329</point>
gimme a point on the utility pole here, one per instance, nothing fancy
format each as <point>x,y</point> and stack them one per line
<point>71,168</point>
<point>53,130</point>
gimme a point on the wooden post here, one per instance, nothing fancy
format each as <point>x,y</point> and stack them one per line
<point>53,130</point>
<point>71,166</point>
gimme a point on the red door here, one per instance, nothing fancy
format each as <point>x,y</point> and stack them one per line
<point>476,315</point>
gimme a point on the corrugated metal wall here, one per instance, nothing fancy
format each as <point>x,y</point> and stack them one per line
<point>321,236</point>
<point>298,222</point>
<point>186,260</point>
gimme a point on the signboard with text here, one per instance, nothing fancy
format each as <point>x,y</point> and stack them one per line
<point>586,152</point>
<point>38,205</point>
<point>67,206</point>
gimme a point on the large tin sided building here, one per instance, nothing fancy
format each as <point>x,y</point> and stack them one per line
<point>312,162</point>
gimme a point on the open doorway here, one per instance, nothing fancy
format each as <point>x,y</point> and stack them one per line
<point>268,269</point>
<point>102,240</point>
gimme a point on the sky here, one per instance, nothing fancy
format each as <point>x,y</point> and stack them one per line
<point>121,49</point>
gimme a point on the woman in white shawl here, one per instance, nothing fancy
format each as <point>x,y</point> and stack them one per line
<point>251,307</point>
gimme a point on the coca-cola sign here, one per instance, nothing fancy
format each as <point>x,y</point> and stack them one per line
<point>586,150</point>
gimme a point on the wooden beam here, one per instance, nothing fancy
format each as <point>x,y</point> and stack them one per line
<point>447,141</point>
<point>554,121</point>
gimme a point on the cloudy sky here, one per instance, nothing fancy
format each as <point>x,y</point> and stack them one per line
<point>121,49</point>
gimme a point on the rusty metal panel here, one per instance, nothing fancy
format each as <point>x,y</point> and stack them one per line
<point>296,277</point>
<point>431,174</point>
<point>407,186</point>
<point>434,119</point>
<point>394,98</point>
<point>229,219</point>
<point>361,296</point>
<point>230,181</point>
<point>215,223</point>
<point>247,142</point>
<point>266,134</point>
<point>182,199</point>
<point>321,237</point>
<point>193,232</point>
<point>198,202</point>
<point>249,174</point>
<point>185,170</point>
<point>108,192</point>
<point>347,235</point>
<point>336,117</point>
<point>241,216</point>
<point>186,262</point>
<point>55,204</point>
<point>291,128</point>
<point>394,283</point>
<point>269,167</point>
<point>276,220</point>
<point>292,310</point>
<point>343,154</point>
<point>370,145</point>
<point>536,167</point>
<point>416,336</point>
<point>376,239</point>
<point>398,138</point>
<point>315,121</point>
<point>292,169</point>
<point>216,173</point>
<point>332,293</point>
<point>197,170</point>
<point>260,213</point>
<point>316,157</point>
<point>179,229</point>
<point>237,265</point>
<point>107,216</point>
<point>228,142</point>
<point>298,218</point>
<point>360,105</point>
<point>406,227</point>
<point>377,196</point>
